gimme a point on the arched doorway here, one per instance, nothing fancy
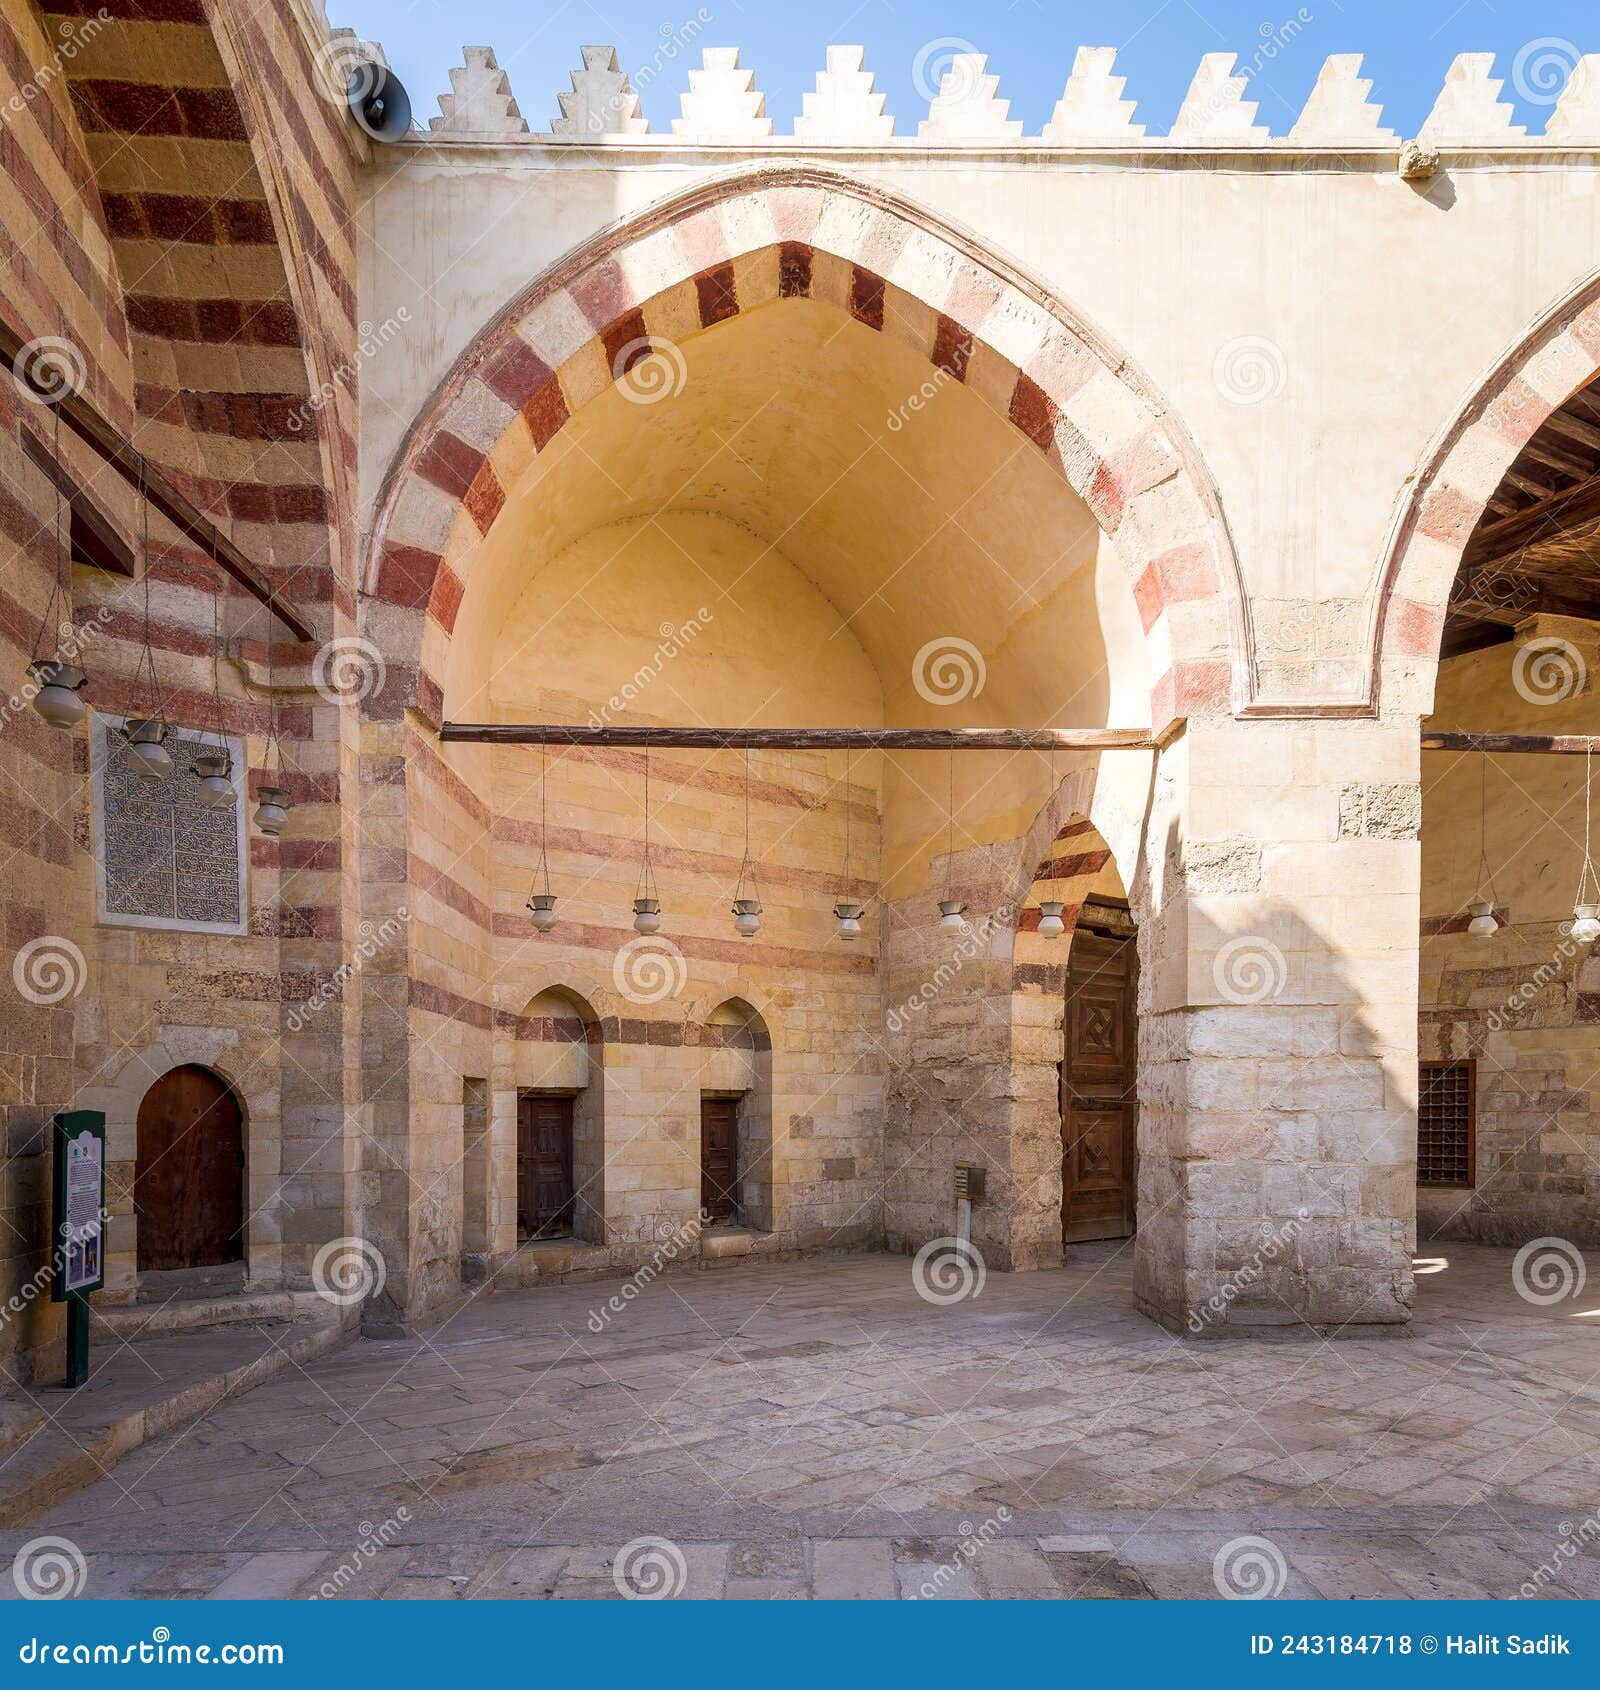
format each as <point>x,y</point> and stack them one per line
<point>1099,1091</point>
<point>188,1193</point>
<point>736,1148</point>
<point>556,1157</point>
<point>1088,972</point>
<point>936,509</point>
<point>1507,1038</point>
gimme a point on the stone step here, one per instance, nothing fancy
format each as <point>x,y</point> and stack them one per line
<point>186,1314</point>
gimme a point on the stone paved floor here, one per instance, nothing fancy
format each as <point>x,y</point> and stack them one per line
<point>817,1429</point>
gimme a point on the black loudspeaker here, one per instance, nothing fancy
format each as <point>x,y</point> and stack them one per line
<point>379,100</point>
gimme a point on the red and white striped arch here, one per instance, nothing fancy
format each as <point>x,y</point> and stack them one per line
<point>731,245</point>
<point>1556,357</point>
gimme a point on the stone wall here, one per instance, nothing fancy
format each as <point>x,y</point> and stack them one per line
<point>1524,1005</point>
<point>193,275</point>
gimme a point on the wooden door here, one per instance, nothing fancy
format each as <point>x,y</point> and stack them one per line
<point>1099,1103</point>
<point>719,1157</point>
<point>188,1186</point>
<point>545,1201</point>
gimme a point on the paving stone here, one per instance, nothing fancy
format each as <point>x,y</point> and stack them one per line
<point>262,1577</point>
<point>852,1570</point>
<point>841,1444</point>
<point>936,1581</point>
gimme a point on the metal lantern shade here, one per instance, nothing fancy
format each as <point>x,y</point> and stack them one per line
<point>543,906</point>
<point>214,771</point>
<point>747,917</point>
<point>1051,926</point>
<point>57,699</point>
<point>848,916</point>
<point>1483,924</point>
<point>951,911</point>
<point>1586,923</point>
<point>647,915</point>
<point>147,748</point>
<point>272,810</point>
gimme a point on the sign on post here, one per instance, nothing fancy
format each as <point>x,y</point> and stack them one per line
<point>77,1215</point>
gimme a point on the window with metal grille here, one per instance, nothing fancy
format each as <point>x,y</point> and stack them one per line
<point>1446,1112</point>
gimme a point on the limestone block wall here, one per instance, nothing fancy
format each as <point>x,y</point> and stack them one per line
<point>448,946</point>
<point>666,1007</point>
<point>973,1029</point>
<point>1524,1005</point>
<point>62,284</point>
<point>193,281</point>
<point>1277,1031</point>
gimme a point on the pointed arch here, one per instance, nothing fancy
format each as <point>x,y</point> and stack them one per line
<point>730,245</point>
<point>1444,502</point>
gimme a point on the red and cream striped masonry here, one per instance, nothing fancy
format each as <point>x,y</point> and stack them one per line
<point>1559,355</point>
<point>226,197</point>
<point>802,232</point>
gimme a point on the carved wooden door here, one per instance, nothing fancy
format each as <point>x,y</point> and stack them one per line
<point>1099,1103</point>
<point>719,1157</point>
<point>545,1200</point>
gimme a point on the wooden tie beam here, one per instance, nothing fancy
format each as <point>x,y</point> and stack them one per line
<point>137,470</point>
<point>814,739</point>
<point>937,739</point>
<point>1514,745</point>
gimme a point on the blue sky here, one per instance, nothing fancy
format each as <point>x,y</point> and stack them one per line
<point>1408,45</point>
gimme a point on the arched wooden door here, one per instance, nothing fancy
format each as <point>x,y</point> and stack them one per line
<point>188,1189</point>
<point>1099,1080</point>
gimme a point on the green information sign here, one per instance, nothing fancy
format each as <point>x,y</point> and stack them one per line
<point>77,1215</point>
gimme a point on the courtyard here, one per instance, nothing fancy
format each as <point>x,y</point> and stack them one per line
<point>821,1430</point>
<point>848,851</point>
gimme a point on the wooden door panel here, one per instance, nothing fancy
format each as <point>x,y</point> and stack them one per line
<point>545,1196</point>
<point>1099,1106</point>
<point>719,1157</point>
<point>1099,1030</point>
<point>188,1193</point>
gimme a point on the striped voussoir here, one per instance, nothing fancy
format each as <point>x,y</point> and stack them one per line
<point>729,247</point>
<point>199,231</point>
<point>1560,355</point>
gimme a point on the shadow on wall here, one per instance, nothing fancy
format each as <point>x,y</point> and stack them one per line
<point>1277,1090</point>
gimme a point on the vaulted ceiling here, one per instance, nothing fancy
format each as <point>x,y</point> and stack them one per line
<point>1537,548</point>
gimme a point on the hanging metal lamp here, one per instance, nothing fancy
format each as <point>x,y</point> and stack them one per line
<point>1051,926</point>
<point>273,802</point>
<point>146,736</point>
<point>746,894</point>
<point>646,905</point>
<point>57,683</point>
<point>1586,905</point>
<point>541,900</point>
<point>213,770</point>
<point>951,908</point>
<point>1483,923</point>
<point>847,913</point>
<point>57,687</point>
<point>273,805</point>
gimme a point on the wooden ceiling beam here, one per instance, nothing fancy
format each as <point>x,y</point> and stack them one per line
<point>1517,476</point>
<point>1576,469</point>
<point>1496,541</point>
<point>1563,422</point>
<point>1547,745</point>
<point>138,471</point>
<point>814,739</point>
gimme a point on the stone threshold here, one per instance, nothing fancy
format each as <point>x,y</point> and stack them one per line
<point>193,1313</point>
<point>139,1390</point>
<point>574,1261</point>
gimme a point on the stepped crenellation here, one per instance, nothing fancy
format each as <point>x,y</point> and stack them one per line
<point>724,102</point>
